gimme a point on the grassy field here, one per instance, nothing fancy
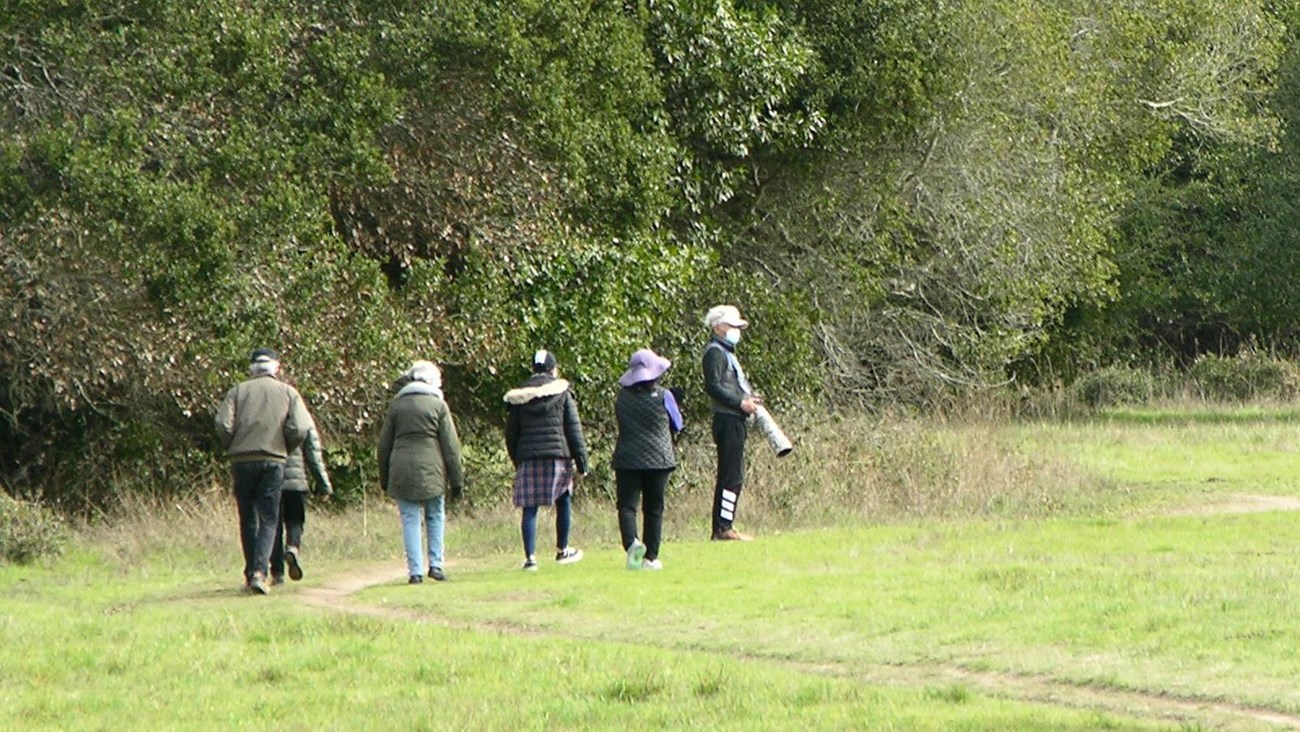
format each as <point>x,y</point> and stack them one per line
<point>1134,571</point>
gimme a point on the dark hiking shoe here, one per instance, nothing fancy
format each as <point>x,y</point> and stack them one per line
<point>291,559</point>
<point>257,584</point>
<point>415,580</point>
<point>435,574</point>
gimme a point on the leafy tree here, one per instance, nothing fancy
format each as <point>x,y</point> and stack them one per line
<point>942,251</point>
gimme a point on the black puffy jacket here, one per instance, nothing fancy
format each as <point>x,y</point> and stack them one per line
<point>299,461</point>
<point>543,422</point>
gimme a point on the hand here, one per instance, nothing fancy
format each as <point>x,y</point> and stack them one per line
<point>457,492</point>
<point>749,405</point>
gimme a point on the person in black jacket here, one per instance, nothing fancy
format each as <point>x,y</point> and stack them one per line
<point>732,401</point>
<point>293,505</point>
<point>648,417</point>
<point>545,443</point>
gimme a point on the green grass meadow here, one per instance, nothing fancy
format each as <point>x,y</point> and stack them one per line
<point>1138,570</point>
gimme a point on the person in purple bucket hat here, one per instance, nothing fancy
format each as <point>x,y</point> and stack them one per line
<point>648,416</point>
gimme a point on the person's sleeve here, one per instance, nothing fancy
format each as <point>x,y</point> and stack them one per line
<point>676,422</point>
<point>715,381</point>
<point>573,432</point>
<point>385,449</point>
<point>298,422</point>
<point>512,434</point>
<point>450,443</point>
<point>225,420</point>
<point>311,454</point>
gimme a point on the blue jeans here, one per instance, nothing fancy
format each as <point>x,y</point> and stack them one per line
<point>257,495</point>
<point>431,513</point>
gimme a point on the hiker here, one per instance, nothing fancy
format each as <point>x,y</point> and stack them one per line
<point>545,443</point>
<point>648,416</point>
<point>261,421</point>
<point>293,505</point>
<point>420,465</point>
<point>732,401</point>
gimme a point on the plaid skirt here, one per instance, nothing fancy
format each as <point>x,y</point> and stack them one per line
<point>540,482</point>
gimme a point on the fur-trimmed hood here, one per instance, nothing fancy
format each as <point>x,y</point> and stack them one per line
<point>536,388</point>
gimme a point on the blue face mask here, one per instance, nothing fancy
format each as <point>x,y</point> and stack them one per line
<point>733,336</point>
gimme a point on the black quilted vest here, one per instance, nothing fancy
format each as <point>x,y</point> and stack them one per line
<point>644,442</point>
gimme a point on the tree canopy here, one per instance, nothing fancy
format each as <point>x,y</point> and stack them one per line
<point>911,198</point>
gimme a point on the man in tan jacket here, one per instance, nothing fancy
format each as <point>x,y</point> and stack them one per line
<point>259,422</point>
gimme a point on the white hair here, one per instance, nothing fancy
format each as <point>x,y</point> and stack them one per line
<point>427,372</point>
<point>264,366</point>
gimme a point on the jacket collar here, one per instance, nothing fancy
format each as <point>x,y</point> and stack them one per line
<point>419,387</point>
<point>531,390</point>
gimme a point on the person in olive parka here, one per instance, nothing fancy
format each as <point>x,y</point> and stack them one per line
<point>420,464</point>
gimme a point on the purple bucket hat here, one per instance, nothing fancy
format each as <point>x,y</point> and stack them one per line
<point>645,365</point>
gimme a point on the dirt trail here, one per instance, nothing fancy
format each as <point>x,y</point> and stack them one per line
<point>1240,503</point>
<point>336,595</point>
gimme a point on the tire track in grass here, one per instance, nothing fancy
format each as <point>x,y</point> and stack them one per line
<point>1237,503</point>
<point>336,593</point>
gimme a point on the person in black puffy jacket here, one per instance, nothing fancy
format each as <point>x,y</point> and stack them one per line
<point>545,443</point>
<point>293,505</point>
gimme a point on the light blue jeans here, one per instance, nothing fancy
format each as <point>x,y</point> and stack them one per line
<point>431,513</point>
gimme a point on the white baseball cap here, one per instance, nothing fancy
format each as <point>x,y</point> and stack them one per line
<point>724,314</point>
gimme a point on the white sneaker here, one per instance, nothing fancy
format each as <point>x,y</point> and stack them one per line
<point>652,564</point>
<point>635,554</point>
<point>568,555</point>
<point>530,565</point>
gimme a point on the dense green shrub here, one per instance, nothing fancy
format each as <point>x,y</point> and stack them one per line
<point>1243,378</point>
<point>489,474</point>
<point>28,531</point>
<point>1114,386</point>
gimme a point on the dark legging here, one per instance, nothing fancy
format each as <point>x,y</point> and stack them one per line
<point>648,486</point>
<point>293,518</point>
<point>563,517</point>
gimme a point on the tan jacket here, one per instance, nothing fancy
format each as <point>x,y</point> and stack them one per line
<point>262,418</point>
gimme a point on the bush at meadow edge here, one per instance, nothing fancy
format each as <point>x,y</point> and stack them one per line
<point>28,531</point>
<point>1213,379</point>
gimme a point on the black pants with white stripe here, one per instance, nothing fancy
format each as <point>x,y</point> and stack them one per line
<point>729,433</point>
